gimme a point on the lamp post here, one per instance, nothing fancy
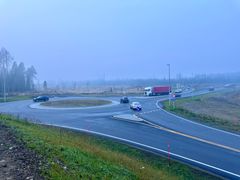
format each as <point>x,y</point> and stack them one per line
<point>169,83</point>
<point>4,83</point>
<point>5,60</point>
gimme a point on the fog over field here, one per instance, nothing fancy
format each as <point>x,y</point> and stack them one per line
<point>122,39</point>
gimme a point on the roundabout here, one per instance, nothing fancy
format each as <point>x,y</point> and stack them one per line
<point>117,121</point>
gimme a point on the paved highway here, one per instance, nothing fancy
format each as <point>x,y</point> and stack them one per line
<point>207,148</point>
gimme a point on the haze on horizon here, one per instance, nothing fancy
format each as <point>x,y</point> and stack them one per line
<point>122,39</point>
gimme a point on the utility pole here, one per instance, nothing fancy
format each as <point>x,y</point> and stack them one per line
<point>169,154</point>
<point>169,83</point>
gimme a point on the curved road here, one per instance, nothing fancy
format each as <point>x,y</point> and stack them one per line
<point>210,149</point>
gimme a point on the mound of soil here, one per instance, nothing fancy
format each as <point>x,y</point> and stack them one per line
<point>73,103</point>
<point>16,161</point>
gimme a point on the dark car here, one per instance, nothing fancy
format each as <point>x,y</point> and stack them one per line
<point>41,99</point>
<point>124,100</point>
<point>211,89</point>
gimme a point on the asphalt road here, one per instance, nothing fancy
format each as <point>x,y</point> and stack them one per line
<point>210,149</point>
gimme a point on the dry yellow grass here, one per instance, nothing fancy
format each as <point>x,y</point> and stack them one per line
<point>219,109</point>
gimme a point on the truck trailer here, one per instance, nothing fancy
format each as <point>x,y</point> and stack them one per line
<point>157,90</point>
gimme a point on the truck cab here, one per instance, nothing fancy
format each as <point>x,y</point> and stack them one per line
<point>148,91</point>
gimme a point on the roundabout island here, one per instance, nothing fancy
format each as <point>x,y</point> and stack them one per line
<point>82,103</point>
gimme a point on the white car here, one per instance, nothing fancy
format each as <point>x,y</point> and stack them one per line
<point>136,106</point>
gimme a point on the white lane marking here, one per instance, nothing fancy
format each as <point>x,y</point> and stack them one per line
<point>196,122</point>
<point>197,139</point>
<point>149,147</point>
<point>148,112</point>
<point>157,103</point>
<point>150,124</point>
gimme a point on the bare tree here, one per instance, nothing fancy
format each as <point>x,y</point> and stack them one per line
<point>45,86</point>
<point>30,76</point>
<point>5,61</point>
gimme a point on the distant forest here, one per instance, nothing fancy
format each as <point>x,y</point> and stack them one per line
<point>15,77</point>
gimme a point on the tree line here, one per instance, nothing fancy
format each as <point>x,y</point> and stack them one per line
<point>15,77</point>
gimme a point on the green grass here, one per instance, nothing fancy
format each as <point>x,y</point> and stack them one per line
<point>15,98</point>
<point>214,109</point>
<point>74,155</point>
<point>76,103</point>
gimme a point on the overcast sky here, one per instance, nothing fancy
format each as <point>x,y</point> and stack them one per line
<point>118,39</point>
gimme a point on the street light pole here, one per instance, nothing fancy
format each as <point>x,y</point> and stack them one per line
<point>5,59</point>
<point>169,82</point>
<point>4,84</point>
<point>2,64</point>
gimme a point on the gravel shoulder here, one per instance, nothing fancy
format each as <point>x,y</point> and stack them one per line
<point>16,161</point>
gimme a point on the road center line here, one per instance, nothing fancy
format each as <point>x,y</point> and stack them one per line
<point>197,139</point>
<point>226,132</point>
<point>188,136</point>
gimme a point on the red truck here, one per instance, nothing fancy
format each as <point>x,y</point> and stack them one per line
<point>157,90</point>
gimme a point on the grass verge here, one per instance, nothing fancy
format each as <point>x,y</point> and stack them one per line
<point>74,155</point>
<point>207,109</point>
<point>76,103</point>
<point>15,98</point>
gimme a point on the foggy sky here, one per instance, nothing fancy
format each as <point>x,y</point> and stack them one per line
<point>118,39</point>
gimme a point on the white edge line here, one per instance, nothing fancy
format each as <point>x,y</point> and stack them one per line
<point>193,121</point>
<point>152,125</point>
<point>146,146</point>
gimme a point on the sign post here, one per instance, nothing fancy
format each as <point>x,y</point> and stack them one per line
<point>173,99</point>
<point>169,154</point>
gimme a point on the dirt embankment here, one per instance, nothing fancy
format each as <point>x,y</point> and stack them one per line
<point>16,161</point>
